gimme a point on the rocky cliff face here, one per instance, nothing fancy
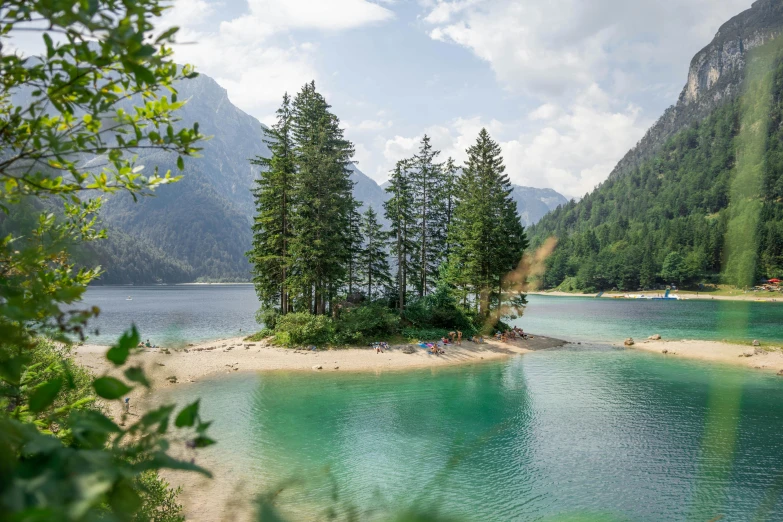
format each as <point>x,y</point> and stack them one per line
<point>714,77</point>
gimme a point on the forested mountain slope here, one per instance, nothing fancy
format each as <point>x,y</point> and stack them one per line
<point>665,220</point>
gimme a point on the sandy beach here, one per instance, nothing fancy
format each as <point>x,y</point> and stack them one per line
<point>760,358</point>
<point>234,354</point>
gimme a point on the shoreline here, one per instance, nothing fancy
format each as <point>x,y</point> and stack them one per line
<point>688,296</point>
<point>230,355</point>
<point>750,357</point>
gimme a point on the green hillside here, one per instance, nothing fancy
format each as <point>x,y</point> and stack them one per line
<point>668,219</point>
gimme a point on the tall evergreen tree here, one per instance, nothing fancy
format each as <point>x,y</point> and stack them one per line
<point>375,266</point>
<point>323,195</point>
<point>449,195</point>
<point>399,211</point>
<point>427,184</point>
<point>272,230</point>
<point>354,248</point>
<point>487,234</point>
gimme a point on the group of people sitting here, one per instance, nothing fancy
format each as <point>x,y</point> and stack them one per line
<point>380,347</point>
<point>146,344</point>
<point>434,349</point>
<point>514,333</point>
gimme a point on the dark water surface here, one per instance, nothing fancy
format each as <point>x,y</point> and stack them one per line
<point>178,314</point>
<point>599,432</point>
<point>174,315</point>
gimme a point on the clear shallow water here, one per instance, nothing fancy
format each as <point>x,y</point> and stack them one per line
<point>176,314</point>
<point>619,435</point>
<point>173,315</point>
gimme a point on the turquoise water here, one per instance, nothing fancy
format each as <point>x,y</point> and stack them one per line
<point>619,435</point>
<point>612,320</point>
<point>171,315</point>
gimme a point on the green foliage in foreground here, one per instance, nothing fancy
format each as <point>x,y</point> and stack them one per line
<point>62,458</point>
<point>668,221</point>
<point>97,91</point>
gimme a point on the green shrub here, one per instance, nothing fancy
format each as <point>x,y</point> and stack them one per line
<point>304,328</point>
<point>267,317</point>
<point>365,323</point>
<point>440,310</point>
<point>158,500</point>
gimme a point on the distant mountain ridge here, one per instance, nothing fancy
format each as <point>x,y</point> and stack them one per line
<point>203,223</point>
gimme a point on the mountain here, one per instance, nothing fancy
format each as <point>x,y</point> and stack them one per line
<point>714,78</point>
<point>202,223</point>
<point>700,198</point>
<point>534,203</point>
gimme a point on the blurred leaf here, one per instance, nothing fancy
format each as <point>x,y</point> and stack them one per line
<point>118,353</point>
<point>110,388</point>
<point>44,395</point>
<point>136,374</point>
<point>203,442</point>
<point>187,417</point>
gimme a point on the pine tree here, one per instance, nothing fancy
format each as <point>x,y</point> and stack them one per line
<point>427,184</point>
<point>323,196</point>
<point>399,211</point>
<point>354,248</point>
<point>487,234</point>
<point>272,224</point>
<point>449,197</point>
<point>375,266</point>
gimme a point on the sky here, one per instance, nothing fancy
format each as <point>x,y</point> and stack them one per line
<point>566,87</point>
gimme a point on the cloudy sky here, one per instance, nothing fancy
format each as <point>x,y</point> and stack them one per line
<point>566,86</point>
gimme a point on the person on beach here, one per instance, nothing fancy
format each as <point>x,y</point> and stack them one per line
<point>459,337</point>
<point>127,404</point>
<point>452,335</point>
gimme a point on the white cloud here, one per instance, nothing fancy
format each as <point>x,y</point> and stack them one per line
<point>254,55</point>
<point>372,125</point>
<point>267,17</point>
<point>568,148</point>
<point>559,46</point>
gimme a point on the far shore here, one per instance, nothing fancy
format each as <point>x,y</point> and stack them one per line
<point>769,297</point>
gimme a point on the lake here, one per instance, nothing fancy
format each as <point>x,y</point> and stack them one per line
<point>584,432</point>
<point>175,315</point>
<point>602,433</point>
